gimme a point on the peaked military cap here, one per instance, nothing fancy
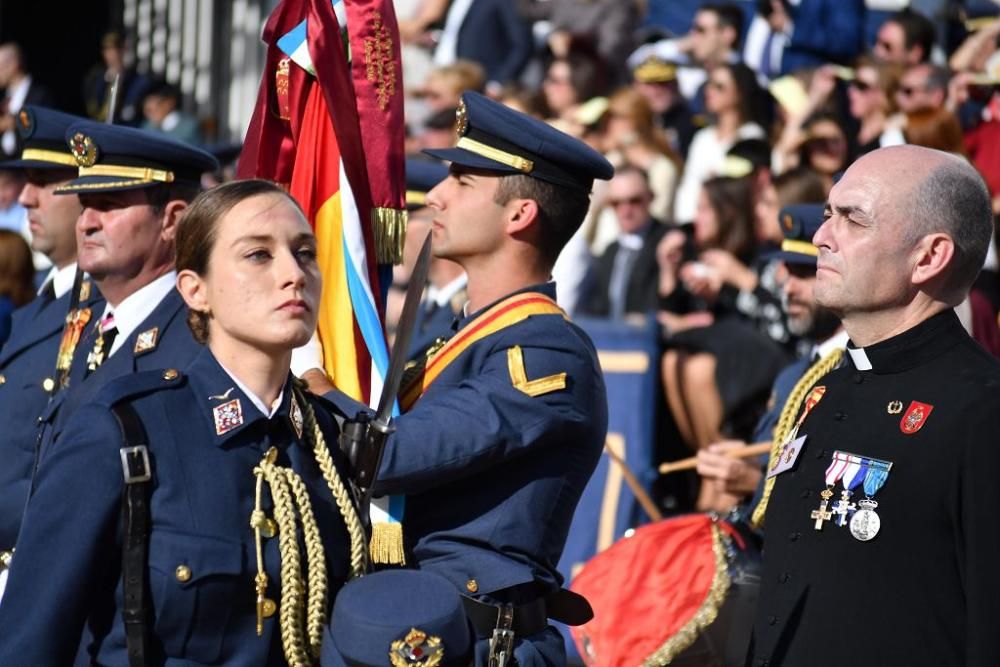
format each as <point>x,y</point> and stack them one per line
<point>799,223</point>
<point>398,618</point>
<point>114,157</point>
<point>655,70</point>
<point>494,137</point>
<point>421,177</point>
<point>42,132</point>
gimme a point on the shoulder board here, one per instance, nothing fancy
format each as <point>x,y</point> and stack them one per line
<point>139,384</point>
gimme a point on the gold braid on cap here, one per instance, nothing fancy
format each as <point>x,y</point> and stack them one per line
<point>786,422</point>
<point>302,614</point>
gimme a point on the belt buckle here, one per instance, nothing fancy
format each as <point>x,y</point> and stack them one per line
<point>502,641</point>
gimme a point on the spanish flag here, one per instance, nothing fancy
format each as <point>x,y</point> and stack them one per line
<point>328,125</point>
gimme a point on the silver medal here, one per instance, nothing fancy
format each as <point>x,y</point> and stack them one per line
<point>865,523</point>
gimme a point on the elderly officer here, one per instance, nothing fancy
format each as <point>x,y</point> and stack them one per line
<point>882,544</point>
<point>197,516</point>
<point>506,421</point>
<point>134,186</point>
<point>28,360</point>
<point>398,618</point>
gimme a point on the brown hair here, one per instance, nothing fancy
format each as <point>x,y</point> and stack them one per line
<point>196,231</point>
<point>630,103</point>
<point>935,128</point>
<point>17,272</point>
<point>730,199</point>
<point>561,210</point>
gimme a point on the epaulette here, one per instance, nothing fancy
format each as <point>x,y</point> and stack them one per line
<point>138,384</point>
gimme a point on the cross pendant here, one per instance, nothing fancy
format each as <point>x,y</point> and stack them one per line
<point>822,514</point>
<point>842,508</point>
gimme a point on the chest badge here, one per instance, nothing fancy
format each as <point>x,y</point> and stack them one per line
<point>146,341</point>
<point>894,407</point>
<point>915,417</point>
<point>227,416</point>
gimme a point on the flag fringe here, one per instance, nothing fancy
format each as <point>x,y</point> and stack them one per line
<point>389,226</point>
<point>386,547</point>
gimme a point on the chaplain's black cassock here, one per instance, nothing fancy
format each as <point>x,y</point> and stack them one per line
<point>925,590</point>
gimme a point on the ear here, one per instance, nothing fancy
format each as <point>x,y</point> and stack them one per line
<point>521,215</point>
<point>193,290</point>
<point>172,213</point>
<point>933,253</point>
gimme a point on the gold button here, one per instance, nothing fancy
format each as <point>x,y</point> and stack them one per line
<point>170,374</point>
<point>48,384</point>
<point>183,573</point>
<point>2,379</point>
<point>472,585</point>
<point>270,606</point>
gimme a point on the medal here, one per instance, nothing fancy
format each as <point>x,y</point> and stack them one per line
<point>854,474</point>
<point>865,523</point>
<point>834,472</point>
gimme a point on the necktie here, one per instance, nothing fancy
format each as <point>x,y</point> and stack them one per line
<point>621,270</point>
<point>48,292</point>
<point>765,60</point>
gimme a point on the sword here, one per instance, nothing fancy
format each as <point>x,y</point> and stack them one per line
<point>363,439</point>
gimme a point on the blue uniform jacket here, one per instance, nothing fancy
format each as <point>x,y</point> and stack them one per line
<point>173,347</point>
<point>431,324</point>
<point>26,361</point>
<point>66,570</point>
<point>493,475</point>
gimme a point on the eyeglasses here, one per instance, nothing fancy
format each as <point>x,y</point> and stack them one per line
<point>907,91</point>
<point>634,200</point>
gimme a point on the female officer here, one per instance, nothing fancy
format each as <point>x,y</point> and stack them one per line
<point>252,529</point>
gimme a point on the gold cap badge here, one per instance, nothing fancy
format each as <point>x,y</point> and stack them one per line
<point>461,120</point>
<point>83,149</point>
<point>417,648</point>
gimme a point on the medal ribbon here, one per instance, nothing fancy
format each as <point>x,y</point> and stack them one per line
<point>835,470</point>
<point>878,472</point>
<point>856,472</point>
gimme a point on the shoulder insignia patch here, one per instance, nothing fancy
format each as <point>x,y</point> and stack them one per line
<point>227,416</point>
<point>519,376</point>
<point>915,417</point>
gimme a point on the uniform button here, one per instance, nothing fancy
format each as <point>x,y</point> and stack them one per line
<point>840,416</point>
<point>170,374</point>
<point>772,620</point>
<point>48,384</point>
<point>794,537</point>
<point>183,574</point>
<point>858,378</point>
<point>762,662</point>
<point>3,380</point>
<point>806,493</point>
<point>821,454</point>
<point>472,585</point>
<point>784,578</point>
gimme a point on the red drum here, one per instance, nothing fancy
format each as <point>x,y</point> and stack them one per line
<point>680,591</point>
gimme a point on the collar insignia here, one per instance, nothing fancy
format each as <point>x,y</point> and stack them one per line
<point>417,648</point>
<point>83,149</point>
<point>84,290</point>
<point>26,125</point>
<point>227,416</point>
<point>295,415</point>
<point>146,341</point>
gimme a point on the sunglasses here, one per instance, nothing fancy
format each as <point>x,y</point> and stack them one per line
<point>635,200</point>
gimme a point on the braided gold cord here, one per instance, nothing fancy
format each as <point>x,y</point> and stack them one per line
<point>290,613</point>
<point>315,563</point>
<point>787,420</point>
<point>359,544</point>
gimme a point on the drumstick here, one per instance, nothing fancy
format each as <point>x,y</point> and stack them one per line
<point>692,463</point>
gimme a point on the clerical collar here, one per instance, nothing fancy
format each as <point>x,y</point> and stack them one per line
<point>914,347</point>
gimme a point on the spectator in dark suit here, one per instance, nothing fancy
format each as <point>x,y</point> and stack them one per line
<point>625,276</point>
<point>19,89</point>
<point>490,32</point>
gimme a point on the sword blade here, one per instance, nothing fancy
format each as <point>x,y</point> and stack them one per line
<point>404,333</point>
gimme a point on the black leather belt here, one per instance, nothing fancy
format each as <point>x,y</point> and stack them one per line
<point>530,618</point>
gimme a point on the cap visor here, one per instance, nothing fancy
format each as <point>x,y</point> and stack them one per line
<point>790,257</point>
<point>104,184</point>
<point>470,159</point>
<point>35,164</point>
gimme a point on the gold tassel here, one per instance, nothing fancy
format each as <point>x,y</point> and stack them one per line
<point>390,234</point>
<point>386,547</point>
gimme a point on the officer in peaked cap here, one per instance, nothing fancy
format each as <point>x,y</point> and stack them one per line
<point>398,618</point>
<point>505,422</point>
<point>134,186</point>
<point>446,281</point>
<point>28,360</point>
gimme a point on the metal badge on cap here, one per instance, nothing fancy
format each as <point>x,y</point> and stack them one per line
<point>83,149</point>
